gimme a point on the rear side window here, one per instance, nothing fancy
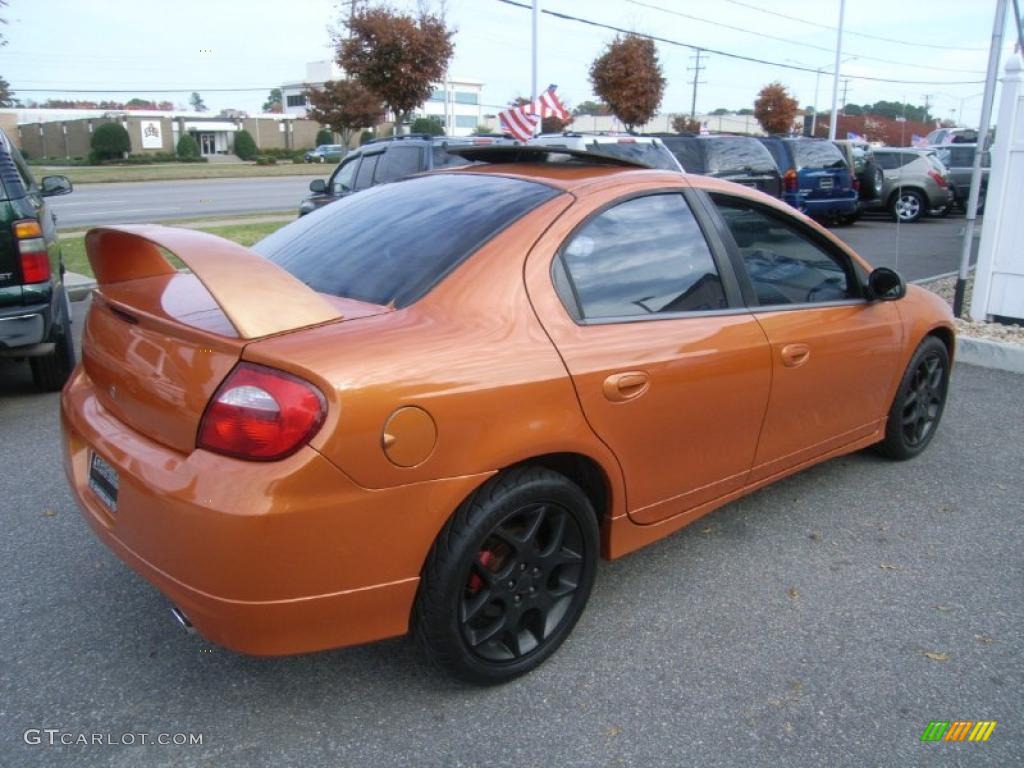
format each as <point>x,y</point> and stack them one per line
<point>392,243</point>
<point>651,155</point>
<point>442,159</point>
<point>399,162</point>
<point>744,155</point>
<point>640,258</point>
<point>777,149</point>
<point>817,154</point>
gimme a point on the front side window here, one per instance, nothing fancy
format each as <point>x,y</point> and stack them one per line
<point>641,258</point>
<point>784,264</point>
<point>344,178</point>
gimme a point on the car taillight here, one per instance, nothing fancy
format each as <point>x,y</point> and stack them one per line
<point>790,180</point>
<point>939,178</point>
<point>856,185</point>
<point>35,260</point>
<point>261,414</point>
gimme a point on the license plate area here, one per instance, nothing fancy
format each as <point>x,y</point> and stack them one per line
<point>825,182</point>
<point>103,481</point>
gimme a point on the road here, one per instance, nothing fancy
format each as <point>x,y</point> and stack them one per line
<point>134,202</point>
<point>790,628</point>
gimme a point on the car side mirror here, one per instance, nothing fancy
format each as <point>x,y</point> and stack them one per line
<point>318,185</point>
<point>55,185</point>
<point>885,284</point>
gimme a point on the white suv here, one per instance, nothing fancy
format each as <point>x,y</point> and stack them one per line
<point>648,150</point>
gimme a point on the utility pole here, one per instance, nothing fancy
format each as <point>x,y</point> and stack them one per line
<point>846,87</point>
<point>835,73</point>
<point>696,69</point>
<point>927,104</point>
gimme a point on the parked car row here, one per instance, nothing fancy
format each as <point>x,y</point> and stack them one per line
<point>834,181</point>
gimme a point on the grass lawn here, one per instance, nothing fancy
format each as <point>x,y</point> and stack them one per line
<point>73,248</point>
<point>171,171</point>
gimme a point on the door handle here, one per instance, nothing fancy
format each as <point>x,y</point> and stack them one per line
<point>795,355</point>
<point>627,385</point>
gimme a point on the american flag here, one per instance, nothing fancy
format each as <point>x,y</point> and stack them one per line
<point>918,141</point>
<point>851,136</point>
<point>522,121</point>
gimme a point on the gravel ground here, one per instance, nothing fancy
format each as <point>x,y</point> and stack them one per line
<point>945,286</point>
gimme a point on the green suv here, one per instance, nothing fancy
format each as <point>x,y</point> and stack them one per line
<point>35,314</point>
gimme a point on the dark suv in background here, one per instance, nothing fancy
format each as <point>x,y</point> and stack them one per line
<point>384,160</point>
<point>815,177</point>
<point>740,159</point>
<point>35,314</point>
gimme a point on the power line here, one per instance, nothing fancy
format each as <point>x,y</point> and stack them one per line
<point>727,54</point>
<point>795,42</point>
<point>848,32</point>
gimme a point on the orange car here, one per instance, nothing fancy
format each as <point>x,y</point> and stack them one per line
<point>433,406</point>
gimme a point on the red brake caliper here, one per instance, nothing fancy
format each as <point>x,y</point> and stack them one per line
<point>485,558</point>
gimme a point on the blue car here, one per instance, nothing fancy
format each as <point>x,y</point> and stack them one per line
<point>816,178</point>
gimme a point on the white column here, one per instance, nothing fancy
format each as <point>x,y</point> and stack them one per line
<point>999,276</point>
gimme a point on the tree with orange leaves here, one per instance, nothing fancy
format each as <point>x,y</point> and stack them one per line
<point>775,109</point>
<point>628,78</point>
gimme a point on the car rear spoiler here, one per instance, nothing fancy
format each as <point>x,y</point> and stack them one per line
<point>256,295</point>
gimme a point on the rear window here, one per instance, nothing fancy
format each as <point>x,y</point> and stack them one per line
<point>742,155</point>
<point>687,151</point>
<point>392,243</point>
<point>651,155</point>
<point>817,154</point>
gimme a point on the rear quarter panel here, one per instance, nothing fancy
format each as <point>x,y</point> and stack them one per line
<point>471,353</point>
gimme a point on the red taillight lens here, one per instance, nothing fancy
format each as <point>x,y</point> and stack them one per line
<point>938,178</point>
<point>790,180</point>
<point>856,185</point>
<point>261,414</point>
<point>35,260</point>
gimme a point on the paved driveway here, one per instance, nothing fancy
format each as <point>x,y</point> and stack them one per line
<point>821,622</point>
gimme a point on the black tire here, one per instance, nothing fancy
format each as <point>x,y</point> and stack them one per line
<point>508,577</point>
<point>920,400</point>
<point>907,205</point>
<point>51,372</point>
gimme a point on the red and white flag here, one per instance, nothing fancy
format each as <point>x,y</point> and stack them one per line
<point>522,121</point>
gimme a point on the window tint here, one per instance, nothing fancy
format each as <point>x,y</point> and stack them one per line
<point>386,245</point>
<point>785,266</point>
<point>365,176</point>
<point>737,156</point>
<point>344,178</point>
<point>399,162</point>
<point>642,257</point>
<point>777,149</point>
<point>442,159</point>
<point>817,154</point>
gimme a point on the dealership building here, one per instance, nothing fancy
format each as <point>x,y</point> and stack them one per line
<point>455,103</point>
<point>67,133</point>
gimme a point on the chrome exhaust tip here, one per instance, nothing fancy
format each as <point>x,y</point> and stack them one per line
<point>182,620</point>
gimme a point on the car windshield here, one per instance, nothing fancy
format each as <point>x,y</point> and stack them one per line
<point>737,156</point>
<point>392,243</point>
<point>817,154</point>
<point>650,154</point>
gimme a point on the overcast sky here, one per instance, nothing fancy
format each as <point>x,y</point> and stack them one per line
<point>115,44</point>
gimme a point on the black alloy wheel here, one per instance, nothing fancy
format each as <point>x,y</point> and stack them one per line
<point>920,401</point>
<point>508,577</point>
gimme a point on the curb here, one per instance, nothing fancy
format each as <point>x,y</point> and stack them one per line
<point>79,291</point>
<point>1001,355</point>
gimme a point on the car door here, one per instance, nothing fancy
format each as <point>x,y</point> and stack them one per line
<point>835,355</point>
<point>671,371</point>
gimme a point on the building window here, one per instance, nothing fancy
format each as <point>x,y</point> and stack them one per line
<point>465,121</point>
<point>297,101</point>
<point>465,97</point>
<point>437,95</point>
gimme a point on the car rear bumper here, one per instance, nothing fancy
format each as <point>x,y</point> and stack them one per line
<point>263,558</point>
<point>23,326</point>
<point>831,205</point>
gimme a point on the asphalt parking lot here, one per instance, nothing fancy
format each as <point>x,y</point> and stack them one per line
<point>822,621</point>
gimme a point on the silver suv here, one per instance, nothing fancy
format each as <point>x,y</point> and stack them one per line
<point>959,159</point>
<point>915,183</point>
<point>647,150</point>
